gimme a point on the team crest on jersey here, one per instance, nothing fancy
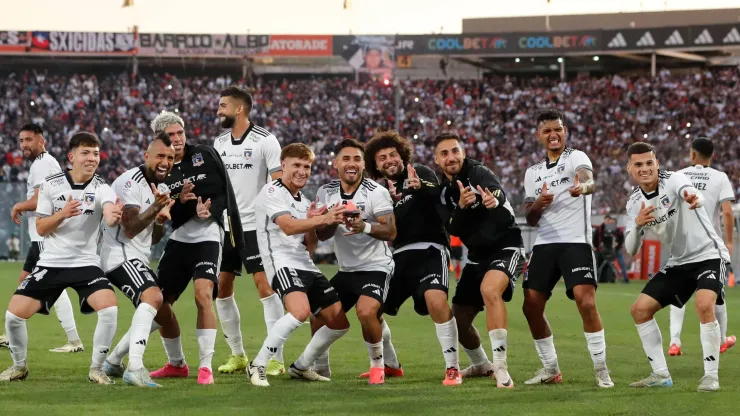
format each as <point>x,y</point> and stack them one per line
<point>89,199</point>
<point>665,201</point>
<point>360,206</point>
<point>197,160</point>
<point>561,168</point>
<point>248,154</point>
<point>128,185</point>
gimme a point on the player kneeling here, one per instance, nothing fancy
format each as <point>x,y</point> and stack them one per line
<point>287,224</point>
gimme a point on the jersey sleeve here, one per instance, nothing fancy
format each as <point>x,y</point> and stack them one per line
<point>274,204</point>
<point>271,152</point>
<point>678,183</point>
<point>382,204</point>
<point>529,188</point>
<point>39,171</point>
<point>429,181</point>
<point>105,194</point>
<point>633,209</point>
<point>483,177</point>
<point>579,161</point>
<point>44,206</point>
<point>725,191</point>
<point>320,197</point>
<point>130,193</point>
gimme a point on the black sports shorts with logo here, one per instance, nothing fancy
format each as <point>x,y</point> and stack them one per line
<point>674,285</point>
<point>510,261</point>
<point>351,285</point>
<point>45,284</point>
<point>231,261</point>
<point>575,262</point>
<point>416,271</point>
<point>132,278</point>
<point>183,262</point>
<point>316,286</point>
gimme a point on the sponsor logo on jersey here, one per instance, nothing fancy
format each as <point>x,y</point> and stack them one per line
<point>237,166</point>
<point>580,269</point>
<point>62,198</point>
<point>247,154</point>
<point>57,181</point>
<point>88,212</point>
<point>661,219</point>
<point>197,160</point>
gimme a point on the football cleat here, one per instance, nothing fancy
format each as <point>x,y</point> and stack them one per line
<point>655,380</point>
<point>275,368</point>
<point>546,376</point>
<point>603,379</point>
<point>485,370</point>
<point>452,377</point>
<point>139,378</point>
<point>71,346</point>
<point>97,375</point>
<point>675,350</point>
<point>236,363</point>
<point>389,372</point>
<point>257,375</point>
<point>503,379</point>
<point>205,376</point>
<point>3,341</point>
<point>377,376</point>
<point>708,384</point>
<point>729,343</point>
<point>171,371</point>
<point>14,373</point>
<point>112,370</point>
<point>308,374</point>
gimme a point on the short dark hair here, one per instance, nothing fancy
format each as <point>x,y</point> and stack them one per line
<point>639,148</point>
<point>299,150</point>
<point>703,146</point>
<point>164,138</point>
<point>84,139</point>
<point>32,127</point>
<point>383,140</point>
<point>349,143</point>
<point>549,115</point>
<point>240,94</point>
<point>446,135</point>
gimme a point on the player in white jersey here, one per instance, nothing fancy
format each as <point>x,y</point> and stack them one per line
<point>717,191</point>
<point>70,209</point>
<point>32,144</point>
<point>287,224</point>
<point>251,154</point>
<point>125,254</point>
<point>558,199</point>
<point>668,205</point>
<point>365,260</point>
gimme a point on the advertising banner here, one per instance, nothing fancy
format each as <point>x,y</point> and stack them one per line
<point>89,43</point>
<point>371,54</point>
<point>162,44</point>
<point>11,41</point>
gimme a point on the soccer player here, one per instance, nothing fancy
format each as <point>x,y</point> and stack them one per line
<point>199,183</point>
<point>421,258</point>
<point>71,206</point>
<point>250,154</point>
<point>365,260</point>
<point>717,191</point>
<point>483,218</point>
<point>125,254</point>
<point>558,199</point>
<point>667,204</point>
<point>32,142</point>
<point>287,231</point>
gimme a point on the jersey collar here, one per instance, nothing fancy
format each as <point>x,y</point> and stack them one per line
<point>75,186</point>
<point>143,172</point>
<point>244,136</point>
<point>352,195</point>
<point>296,197</point>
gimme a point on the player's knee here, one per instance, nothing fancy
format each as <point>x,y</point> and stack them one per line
<point>532,308</point>
<point>586,303</point>
<point>338,321</point>
<point>491,294</point>
<point>367,312</point>
<point>705,307</point>
<point>640,313</point>
<point>153,297</point>
<point>204,296</point>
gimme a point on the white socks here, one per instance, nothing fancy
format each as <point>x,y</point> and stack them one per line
<point>676,325</point>
<point>122,348</point>
<point>710,342</point>
<point>597,348</point>
<point>652,343</point>
<point>273,310</point>
<point>138,335</point>
<point>206,343</point>
<point>276,337</point>
<point>105,330</point>
<point>320,342</point>
<point>720,312</point>
<point>322,361</point>
<point>15,328</point>
<point>66,315</point>
<point>375,351</point>
<point>173,348</point>
<point>498,345</point>
<point>447,336</point>
<point>546,350</point>
<point>228,314</point>
<point>389,352</point>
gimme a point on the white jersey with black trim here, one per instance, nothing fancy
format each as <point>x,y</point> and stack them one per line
<point>134,190</point>
<point>360,252</point>
<point>278,249</point>
<point>44,165</point>
<point>249,161</point>
<point>714,186</point>
<point>687,234</point>
<point>567,219</point>
<point>75,242</point>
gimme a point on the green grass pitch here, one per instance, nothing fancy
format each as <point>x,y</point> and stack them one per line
<point>57,384</point>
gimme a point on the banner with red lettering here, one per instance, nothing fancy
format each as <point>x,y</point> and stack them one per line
<point>161,44</point>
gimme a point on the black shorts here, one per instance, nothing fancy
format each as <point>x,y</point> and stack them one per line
<point>231,261</point>
<point>45,284</point>
<point>351,285</point>
<point>416,271</point>
<point>132,278</point>
<point>183,262</point>
<point>510,261</point>
<point>575,262</point>
<point>456,253</point>
<point>320,292</point>
<point>675,285</point>
<point>33,256</point>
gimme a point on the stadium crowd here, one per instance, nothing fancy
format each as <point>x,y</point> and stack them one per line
<point>495,116</point>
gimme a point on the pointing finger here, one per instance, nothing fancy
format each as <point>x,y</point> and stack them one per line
<point>460,185</point>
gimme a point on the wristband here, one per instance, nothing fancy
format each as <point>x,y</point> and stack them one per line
<point>368,228</point>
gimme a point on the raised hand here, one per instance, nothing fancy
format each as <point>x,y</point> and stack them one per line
<point>164,214</point>
<point>576,190</point>
<point>489,201</point>
<point>71,208</point>
<point>313,212</point>
<point>16,214</point>
<point>117,211</point>
<point>545,199</point>
<point>187,192</point>
<point>645,215</point>
<point>355,224</point>
<point>334,215</point>
<point>392,190</point>
<point>691,199</point>
<point>413,181</point>
<point>161,200</point>
<point>467,196</point>
<point>203,208</point>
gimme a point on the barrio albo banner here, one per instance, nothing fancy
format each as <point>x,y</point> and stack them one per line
<point>161,44</point>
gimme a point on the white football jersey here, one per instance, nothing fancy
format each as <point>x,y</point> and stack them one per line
<point>134,190</point>
<point>688,234</point>
<point>567,219</point>
<point>75,241</point>
<point>249,161</point>
<point>714,186</point>
<point>43,166</point>
<point>278,249</point>
<point>360,252</point>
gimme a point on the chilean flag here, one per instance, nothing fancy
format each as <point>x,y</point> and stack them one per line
<point>40,40</point>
